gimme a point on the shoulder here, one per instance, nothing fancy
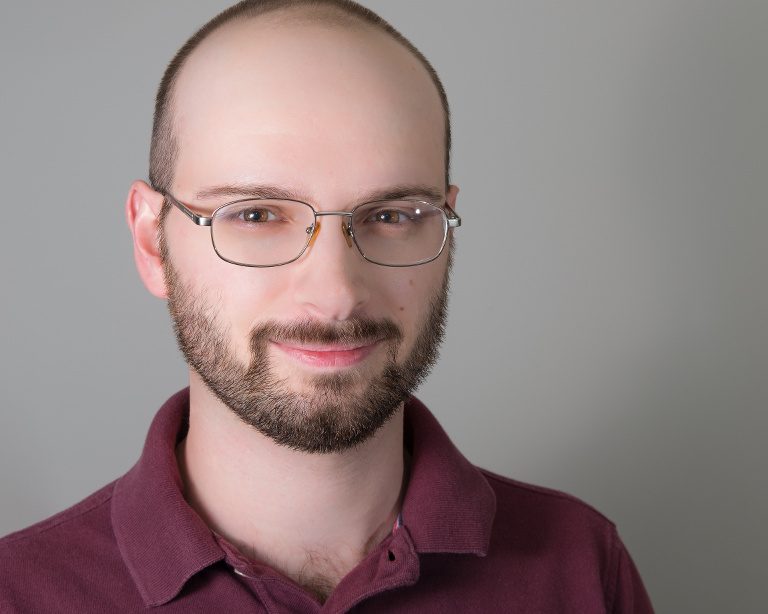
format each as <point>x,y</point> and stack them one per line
<point>550,521</point>
<point>62,553</point>
<point>71,525</point>
<point>566,546</point>
<point>529,500</point>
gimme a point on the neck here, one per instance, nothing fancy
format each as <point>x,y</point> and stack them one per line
<point>311,516</point>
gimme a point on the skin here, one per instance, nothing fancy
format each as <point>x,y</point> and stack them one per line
<point>334,117</point>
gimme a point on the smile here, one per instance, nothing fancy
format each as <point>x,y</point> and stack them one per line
<point>327,356</point>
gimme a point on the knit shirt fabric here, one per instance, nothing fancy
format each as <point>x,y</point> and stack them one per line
<point>470,541</point>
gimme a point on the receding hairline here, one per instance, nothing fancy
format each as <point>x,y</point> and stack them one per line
<point>277,14</point>
<point>296,17</point>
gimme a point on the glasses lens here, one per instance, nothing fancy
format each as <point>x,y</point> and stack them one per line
<point>262,232</point>
<point>400,232</point>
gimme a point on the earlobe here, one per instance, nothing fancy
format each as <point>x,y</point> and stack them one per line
<point>142,211</point>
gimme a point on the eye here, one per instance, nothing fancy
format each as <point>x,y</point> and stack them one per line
<point>388,216</point>
<point>257,215</point>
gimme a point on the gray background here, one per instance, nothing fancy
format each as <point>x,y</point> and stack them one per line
<point>608,332</point>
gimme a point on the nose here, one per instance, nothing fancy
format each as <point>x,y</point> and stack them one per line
<point>332,282</point>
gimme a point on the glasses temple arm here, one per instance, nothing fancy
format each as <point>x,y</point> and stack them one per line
<point>197,219</point>
<point>454,221</point>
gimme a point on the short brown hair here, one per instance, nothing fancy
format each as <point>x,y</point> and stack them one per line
<point>164,147</point>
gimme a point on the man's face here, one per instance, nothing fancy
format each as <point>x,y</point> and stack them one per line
<point>319,353</point>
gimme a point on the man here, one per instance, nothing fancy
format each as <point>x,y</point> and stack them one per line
<point>300,223</point>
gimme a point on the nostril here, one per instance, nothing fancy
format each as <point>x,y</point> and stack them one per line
<point>391,555</point>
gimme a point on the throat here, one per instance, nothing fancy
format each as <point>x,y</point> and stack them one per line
<point>311,517</point>
<point>318,569</point>
<point>322,574</point>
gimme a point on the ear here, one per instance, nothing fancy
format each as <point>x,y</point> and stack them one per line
<point>453,192</point>
<point>142,210</point>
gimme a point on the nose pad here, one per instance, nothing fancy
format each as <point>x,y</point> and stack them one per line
<point>314,230</point>
<point>346,231</point>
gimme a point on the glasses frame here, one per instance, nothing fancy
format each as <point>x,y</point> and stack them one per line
<point>453,219</point>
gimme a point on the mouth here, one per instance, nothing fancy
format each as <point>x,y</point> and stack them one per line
<point>329,356</point>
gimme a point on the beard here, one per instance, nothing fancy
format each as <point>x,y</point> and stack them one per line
<point>334,412</point>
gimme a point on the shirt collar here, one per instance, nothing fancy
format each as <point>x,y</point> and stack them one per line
<point>448,507</point>
<point>162,540</point>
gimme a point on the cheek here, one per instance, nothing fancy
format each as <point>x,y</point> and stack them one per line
<point>413,293</point>
<point>190,249</point>
<point>237,297</point>
<point>410,296</point>
<point>249,296</point>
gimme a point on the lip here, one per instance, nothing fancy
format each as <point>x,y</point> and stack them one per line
<point>338,356</point>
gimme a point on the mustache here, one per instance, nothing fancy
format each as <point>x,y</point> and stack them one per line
<point>357,329</point>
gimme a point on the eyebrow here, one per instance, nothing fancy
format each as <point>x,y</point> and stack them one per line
<point>420,191</point>
<point>257,190</point>
<point>242,190</point>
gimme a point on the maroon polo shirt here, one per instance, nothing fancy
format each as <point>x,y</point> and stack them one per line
<point>471,541</point>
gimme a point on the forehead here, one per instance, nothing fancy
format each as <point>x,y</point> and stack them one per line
<point>266,92</point>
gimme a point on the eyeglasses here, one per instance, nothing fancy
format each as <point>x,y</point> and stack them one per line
<point>267,232</point>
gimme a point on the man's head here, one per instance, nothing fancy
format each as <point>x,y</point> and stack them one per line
<point>314,104</point>
<point>331,13</point>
